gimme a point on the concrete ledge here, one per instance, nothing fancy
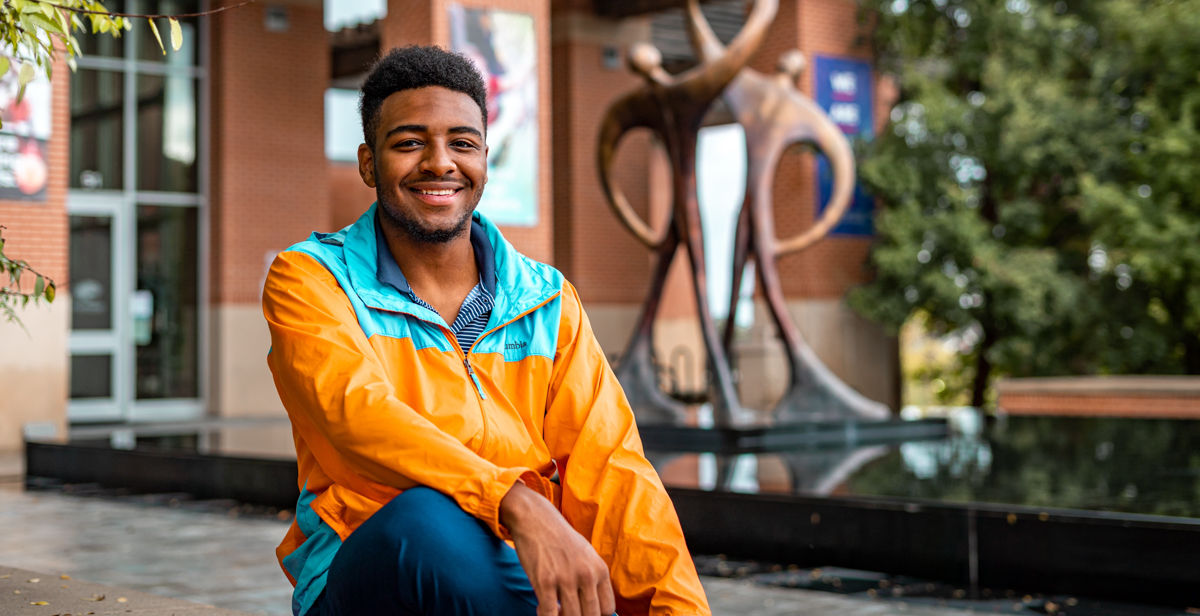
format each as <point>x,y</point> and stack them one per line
<point>1166,397</point>
<point>20,594</point>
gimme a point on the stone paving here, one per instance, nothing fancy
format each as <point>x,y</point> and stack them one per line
<point>29,592</point>
<point>210,553</point>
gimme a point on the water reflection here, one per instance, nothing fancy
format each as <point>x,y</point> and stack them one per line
<point>1128,465</point>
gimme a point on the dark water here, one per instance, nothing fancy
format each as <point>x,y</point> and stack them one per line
<point>1145,466</point>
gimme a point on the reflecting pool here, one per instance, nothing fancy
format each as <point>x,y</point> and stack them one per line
<point>1147,466</point>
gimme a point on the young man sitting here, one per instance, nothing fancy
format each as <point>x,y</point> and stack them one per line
<point>437,381</point>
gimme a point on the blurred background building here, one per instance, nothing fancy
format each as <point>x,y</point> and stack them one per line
<point>168,183</point>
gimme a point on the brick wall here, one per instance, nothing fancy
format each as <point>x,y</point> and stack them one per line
<point>592,248</point>
<point>349,197</point>
<point>270,183</point>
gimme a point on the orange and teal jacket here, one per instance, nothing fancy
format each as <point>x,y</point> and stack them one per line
<point>381,399</point>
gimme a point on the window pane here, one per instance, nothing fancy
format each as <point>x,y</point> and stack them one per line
<point>147,45</point>
<point>91,376</point>
<point>96,129</point>
<point>104,45</point>
<point>167,133</point>
<point>91,272</point>
<point>343,125</point>
<point>166,305</point>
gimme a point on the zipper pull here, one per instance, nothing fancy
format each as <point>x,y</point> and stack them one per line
<point>474,379</point>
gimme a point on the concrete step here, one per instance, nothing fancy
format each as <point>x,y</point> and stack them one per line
<point>44,594</point>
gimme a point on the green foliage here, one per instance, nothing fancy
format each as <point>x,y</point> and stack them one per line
<point>15,293</point>
<point>1039,182</point>
<point>36,30</point>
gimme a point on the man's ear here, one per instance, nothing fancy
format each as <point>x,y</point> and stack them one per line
<point>366,164</point>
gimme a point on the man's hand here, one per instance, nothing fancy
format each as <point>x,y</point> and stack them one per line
<point>561,565</point>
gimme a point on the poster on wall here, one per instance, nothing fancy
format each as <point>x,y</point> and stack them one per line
<point>844,91</point>
<point>24,172</point>
<point>503,47</point>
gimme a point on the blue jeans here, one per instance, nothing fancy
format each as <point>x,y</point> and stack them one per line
<point>423,555</point>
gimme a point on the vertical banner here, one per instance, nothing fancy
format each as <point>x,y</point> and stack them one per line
<point>24,154</point>
<point>503,46</point>
<point>844,91</point>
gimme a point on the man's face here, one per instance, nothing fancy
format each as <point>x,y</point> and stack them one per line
<point>429,165</point>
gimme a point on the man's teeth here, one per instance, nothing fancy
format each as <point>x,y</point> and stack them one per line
<point>440,193</point>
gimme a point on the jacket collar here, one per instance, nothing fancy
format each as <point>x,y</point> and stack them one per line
<point>520,284</point>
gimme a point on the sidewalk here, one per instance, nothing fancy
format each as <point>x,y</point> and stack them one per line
<point>28,592</point>
<point>212,554</point>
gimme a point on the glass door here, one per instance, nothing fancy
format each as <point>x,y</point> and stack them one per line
<point>135,209</point>
<point>96,350</point>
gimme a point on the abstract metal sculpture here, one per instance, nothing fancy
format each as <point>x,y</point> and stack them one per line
<point>673,107</point>
<point>776,116</point>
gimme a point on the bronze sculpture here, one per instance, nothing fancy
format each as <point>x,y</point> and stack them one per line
<point>673,106</point>
<point>775,116</point>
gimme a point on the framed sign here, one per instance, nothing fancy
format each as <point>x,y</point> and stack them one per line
<point>844,90</point>
<point>503,46</point>
<point>24,154</point>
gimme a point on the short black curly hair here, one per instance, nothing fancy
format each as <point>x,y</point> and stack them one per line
<point>412,67</point>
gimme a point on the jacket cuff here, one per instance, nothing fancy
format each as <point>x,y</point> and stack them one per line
<point>495,491</point>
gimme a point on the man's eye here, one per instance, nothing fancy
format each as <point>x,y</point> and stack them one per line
<point>408,143</point>
<point>463,143</point>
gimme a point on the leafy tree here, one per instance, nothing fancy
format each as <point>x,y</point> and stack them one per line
<point>1037,188</point>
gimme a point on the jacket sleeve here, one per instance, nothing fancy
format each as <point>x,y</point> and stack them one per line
<point>610,492</point>
<point>332,383</point>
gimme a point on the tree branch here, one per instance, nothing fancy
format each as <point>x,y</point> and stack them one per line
<point>140,16</point>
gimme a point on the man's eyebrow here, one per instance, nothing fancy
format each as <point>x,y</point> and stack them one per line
<point>408,128</point>
<point>466,129</point>
<point>421,128</point>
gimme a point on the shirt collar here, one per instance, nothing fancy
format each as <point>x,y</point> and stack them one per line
<point>388,271</point>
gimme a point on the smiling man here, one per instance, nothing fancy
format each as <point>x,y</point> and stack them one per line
<point>448,397</point>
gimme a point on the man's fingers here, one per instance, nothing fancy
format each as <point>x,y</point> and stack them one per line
<point>589,601</point>
<point>547,598</point>
<point>608,602</point>
<point>569,600</point>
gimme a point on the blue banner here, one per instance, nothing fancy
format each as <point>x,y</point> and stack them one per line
<point>844,91</point>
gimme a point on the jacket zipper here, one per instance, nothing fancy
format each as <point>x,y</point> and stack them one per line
<point>467,354</point>
<point>471,370</point>
<point>474,379</point>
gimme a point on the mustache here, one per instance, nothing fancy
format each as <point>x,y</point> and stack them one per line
<point>460,182</point>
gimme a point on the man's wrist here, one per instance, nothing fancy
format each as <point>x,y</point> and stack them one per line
<point>515,504</point>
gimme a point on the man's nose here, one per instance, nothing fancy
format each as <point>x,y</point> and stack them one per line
<point>437,161</point>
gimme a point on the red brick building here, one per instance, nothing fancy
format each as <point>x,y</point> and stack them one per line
<point>173,181</point>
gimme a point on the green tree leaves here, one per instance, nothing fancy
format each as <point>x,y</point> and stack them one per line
<point>1039,182</point>
<point>12,294</point>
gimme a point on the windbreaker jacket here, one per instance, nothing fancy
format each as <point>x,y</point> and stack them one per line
<point>381,399</point>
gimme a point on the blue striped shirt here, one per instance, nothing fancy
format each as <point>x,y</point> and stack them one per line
<point>476,308</point>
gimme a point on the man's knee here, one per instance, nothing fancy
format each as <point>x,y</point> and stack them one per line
<point>419,518</point>
<point>441,558</point>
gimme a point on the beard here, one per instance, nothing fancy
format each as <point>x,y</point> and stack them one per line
<point>415,229</point>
